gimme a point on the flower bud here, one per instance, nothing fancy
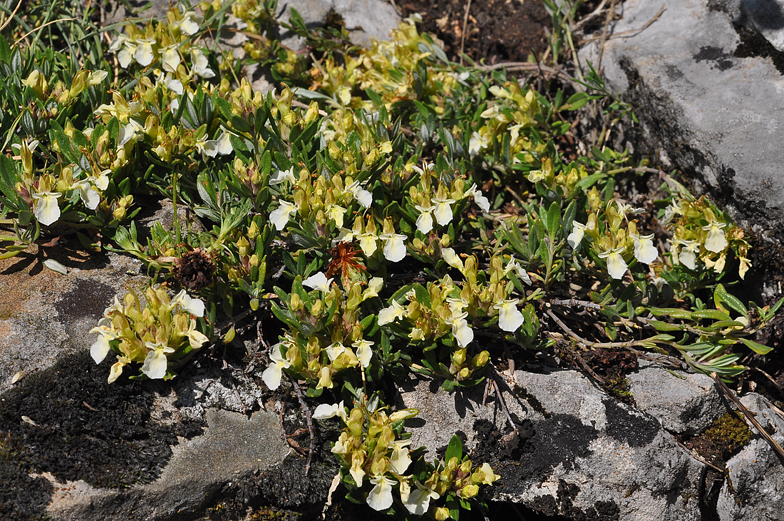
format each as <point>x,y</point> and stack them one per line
<point>469,491</point>
<point>480,360</point>
<point>464,373</point>
<point>442,514</point>
<point>459,357</point>
<point>317,309</point>
<point>229,336</point>
<point>295,303</point>
<point>254,304</point>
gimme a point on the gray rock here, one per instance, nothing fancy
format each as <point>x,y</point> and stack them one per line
<point>577,451</point>
<point>755,488</point>
<point>45,315</point>
<point>233,447</point>
<point>767,17</point>
<point>685,405</point>
<point>706,106</point>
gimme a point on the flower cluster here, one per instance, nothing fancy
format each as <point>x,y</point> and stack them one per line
<point>510,113</point>
<point>158,334</point>
<point>702,234</point>
<point>374,455</point>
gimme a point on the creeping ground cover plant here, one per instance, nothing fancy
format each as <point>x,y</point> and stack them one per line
<point>381,212</point>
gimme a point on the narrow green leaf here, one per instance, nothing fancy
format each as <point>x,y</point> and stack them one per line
<point>756,347</point>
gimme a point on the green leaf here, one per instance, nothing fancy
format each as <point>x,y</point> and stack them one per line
<point>681,314</point>
<point>454,449</point>
<point>553,220</point>
<point>665,326</point>
<point>756,347</point>
<point>711,314</point>
<point>720,296</point>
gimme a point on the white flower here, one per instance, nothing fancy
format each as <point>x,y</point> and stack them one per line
<point>196,338</point>
<point>102,181</point>
<point>451,258</point>
<point>117,367</point>
<point>189,23</point>
<point>480,200</point>
<point>416,334</point>
<point>424,222</point>
<point>318,281</point>
<point>624,209</point>
<point>87,193</point>
<point>336,213</point>
<point>367,243</point>
<point>100,347</point>
<point>283,175</point>
<point>374,286</point>
<point>326,411</point>
<point>356,469</point>
<point>188,304</point>
<point>364,197</point>
<point>509,317</point>
<point>363,350</point>
<point>143,54</point>
<point>399,461</point>
<point>443,210</point>
<point>477,143</point>
<point>644,250</point>
<point>96,77</point>
<point>155,363</point>
<point>119,42</point>
<point>418,501</point>
<point>456,306</point>
<point>578,232</point>
<point>461,330</point>
<point>616,266</point>
<point>125,56</point>
<point>390,314</point>
<point>280,216</point>
<point>716,241</point>
<point>335,350</point>
<point>688,255</point>
<point>221,145</point>
<point>170,58</point>
<point>201,64</point>
<point>47,211</point>
<point>394,248</point>
<point>130,133</point>
<point>172,84</point>
<point>380,498</point>
<point>671,211</point>
<point>274,372</point>
<point>521,273</point>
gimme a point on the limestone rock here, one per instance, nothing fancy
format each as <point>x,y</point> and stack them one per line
<point>685,405</point>
<point>708,104</point>
<point>755,489</point>
<point>577,452</point>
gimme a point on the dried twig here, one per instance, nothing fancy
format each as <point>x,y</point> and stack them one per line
<point>577,303</point>
<point>699,458</point>
<point>463,35</point>
<point>309,419</point>
<point>749,416</point>
<point>5,24</point>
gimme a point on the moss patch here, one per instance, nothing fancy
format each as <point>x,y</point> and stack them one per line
<point>725,437</point>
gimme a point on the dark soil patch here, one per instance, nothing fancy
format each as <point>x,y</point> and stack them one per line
<point>496,31</point>
<point>69,422</point>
